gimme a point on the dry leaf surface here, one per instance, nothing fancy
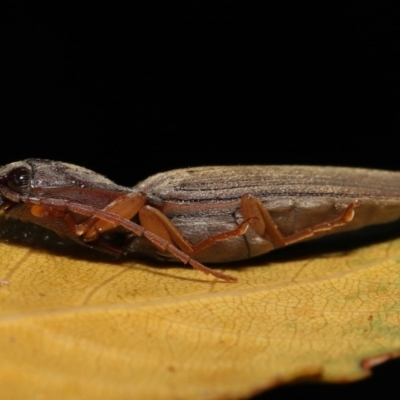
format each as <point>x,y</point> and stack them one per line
<point>85,328</point>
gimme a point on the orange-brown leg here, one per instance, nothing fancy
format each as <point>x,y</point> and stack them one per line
<point>126,206</point>
<point>155,221</point>
<point>264,225</point>
<point>76,229</point>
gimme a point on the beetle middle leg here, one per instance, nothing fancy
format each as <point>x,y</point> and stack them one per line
<point>155,221</point>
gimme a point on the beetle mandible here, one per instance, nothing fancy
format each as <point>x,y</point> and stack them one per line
<point>199,215</point>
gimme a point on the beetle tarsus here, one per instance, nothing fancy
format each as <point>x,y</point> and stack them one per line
<point>195,264</point>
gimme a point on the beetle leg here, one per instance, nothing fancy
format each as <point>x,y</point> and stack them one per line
<point>155,221</point>
<point>263,224</point>
<point>126,206</point>
<point>343,219</point>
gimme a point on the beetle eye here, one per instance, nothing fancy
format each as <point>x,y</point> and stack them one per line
<point>18,180</point>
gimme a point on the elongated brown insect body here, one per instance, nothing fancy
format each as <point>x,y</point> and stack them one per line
<point>199,215</point>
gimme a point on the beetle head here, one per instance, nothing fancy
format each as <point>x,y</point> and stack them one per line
<point>15,182</point>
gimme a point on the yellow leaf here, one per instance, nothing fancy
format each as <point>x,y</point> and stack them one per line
<point>82,326</point>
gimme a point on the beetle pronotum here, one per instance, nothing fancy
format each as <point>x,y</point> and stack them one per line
<point>199,215</point>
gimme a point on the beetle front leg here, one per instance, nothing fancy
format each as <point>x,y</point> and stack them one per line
<point>125,206</point>
<point>263,224</point>
<point>41,211</point>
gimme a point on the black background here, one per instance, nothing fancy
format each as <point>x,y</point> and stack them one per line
<point>129,92</point>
